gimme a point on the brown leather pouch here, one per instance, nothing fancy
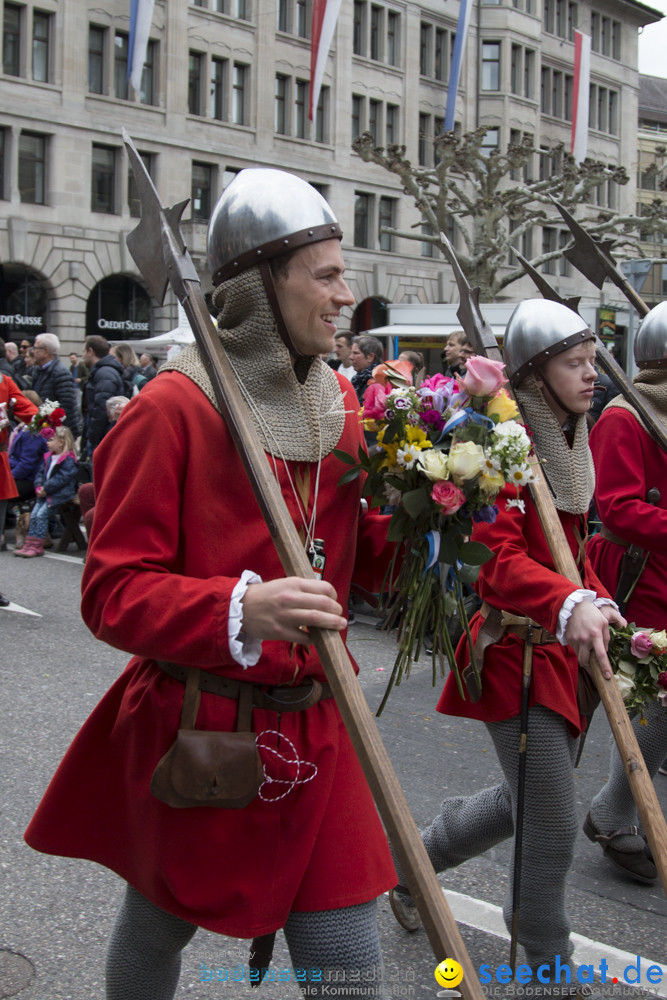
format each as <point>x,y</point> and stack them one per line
<point>203,768</point>
<point>588,697</point>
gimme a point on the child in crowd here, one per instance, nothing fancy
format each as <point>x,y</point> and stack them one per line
<point>55,484</point>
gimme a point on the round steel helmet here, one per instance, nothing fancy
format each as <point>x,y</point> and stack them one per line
<point>537,330</point>
<point>262,214</point>
<point>651,339</point>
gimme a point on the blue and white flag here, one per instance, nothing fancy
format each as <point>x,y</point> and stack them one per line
<point>457,59</point>
<point>141,15</point>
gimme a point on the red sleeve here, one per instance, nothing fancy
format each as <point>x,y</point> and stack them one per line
<point>136,593</point>
<point>627,464</point>
<point>23,409</point>
<point>520,577</point>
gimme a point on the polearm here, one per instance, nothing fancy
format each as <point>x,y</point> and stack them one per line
<point>607,361</point>
<point>162,258</point>
<point>480,335</point>
<point>595,262</point>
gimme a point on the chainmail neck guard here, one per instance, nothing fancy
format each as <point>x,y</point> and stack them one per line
<point>652,384</point>
<point>569,470</point>
<point>298,412</point>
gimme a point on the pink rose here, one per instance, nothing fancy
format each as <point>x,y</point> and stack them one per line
<point>640,645</point>
<point>483,376</point>
<point>375,401</point>
<point>448,497</point>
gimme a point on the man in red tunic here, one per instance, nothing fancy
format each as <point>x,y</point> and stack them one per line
<point>549,354</point>
<point>629,464</point>
<point>181,572</point>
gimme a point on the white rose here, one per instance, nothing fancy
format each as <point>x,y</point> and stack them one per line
<point>433,464</point>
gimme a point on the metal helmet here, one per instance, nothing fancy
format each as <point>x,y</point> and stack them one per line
<point>262,214</point>
<point>651,339</point>
<point>537,330</point>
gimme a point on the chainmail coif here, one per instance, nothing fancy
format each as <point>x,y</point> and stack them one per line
<point>569,470</point>
<point>298,411</point>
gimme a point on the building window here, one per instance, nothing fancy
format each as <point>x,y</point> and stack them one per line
<point>441,62</point>
<point>605,35</point>
<point>564,240</point>
<point>376,32</point>
<point>357,115</point>
<point>424,140</point>
<point>391,124</point>
<point>362,213</point>
<point>528,73</point>
<point>556,93</point>
<point>283,15</point>
<point>560,17</point>
<point>195,65</point>
<point>491,141</point>
<point>234,8</point>
<point>202,185</point>
<point>133,199</point>
<point>32,168</point>
<point>217,93</point>
<point>427,248</point>
<point>375,120</point>
<point>490,65</point>
<point>103,191</point>
<point>386,219</point>
<point>11,40</point>
<point>549,245</point>
<point>393,37</point>
<point>301,89</point>
<point>96,45</point>
<point>3,154</point>
<point>280,114</point>
<point>149,75</point>
<point>322,116</point>
<point>239,94</point>
<point>120,65</point>
<point>302,19</point>
<point>426,30</point>
<point>359,28</point>
<point>41,44</point>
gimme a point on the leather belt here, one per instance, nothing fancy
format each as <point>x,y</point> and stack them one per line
<point>611,537</point>
<point>497,624</point>
<point>276,698</point>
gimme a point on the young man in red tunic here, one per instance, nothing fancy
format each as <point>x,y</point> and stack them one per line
<point>549,354</point>
<point>181,571</point>
<point>629,464</point>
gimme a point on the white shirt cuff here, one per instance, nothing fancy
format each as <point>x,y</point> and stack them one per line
<point>600,601</point>
<point>245,649</point>
<point>571,601</point>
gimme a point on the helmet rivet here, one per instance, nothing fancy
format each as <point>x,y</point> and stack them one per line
<point>236,263</point>
<point>310,232</point>
<point>259,253</point>
<point>285,242</point>
<point>546,354</point>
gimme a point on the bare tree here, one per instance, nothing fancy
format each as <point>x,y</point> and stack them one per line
<point>488,200</point>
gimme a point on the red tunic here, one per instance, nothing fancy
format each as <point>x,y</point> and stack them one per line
<point>175,525</point>
<point>25,411</point>
<point>522,580</point>
<point>628,462</point>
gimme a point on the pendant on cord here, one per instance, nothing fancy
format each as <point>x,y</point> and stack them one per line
<point>317,557</point>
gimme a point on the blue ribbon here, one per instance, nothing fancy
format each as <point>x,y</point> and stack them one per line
<point>464,416</point>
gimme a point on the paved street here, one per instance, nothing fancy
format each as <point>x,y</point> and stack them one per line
<point>56,914</point>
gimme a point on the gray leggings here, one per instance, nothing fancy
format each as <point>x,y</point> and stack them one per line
<point>469,825</point>
<point>144,957</point>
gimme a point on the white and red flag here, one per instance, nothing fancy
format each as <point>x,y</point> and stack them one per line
<point>581,95</point>
<point>141,15</point>
<point>325,15</point>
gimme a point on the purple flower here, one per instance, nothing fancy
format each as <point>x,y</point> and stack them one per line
<point>486,514</point>
<point>401,403</point>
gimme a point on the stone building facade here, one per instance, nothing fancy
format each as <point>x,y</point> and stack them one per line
<point>226,86</point>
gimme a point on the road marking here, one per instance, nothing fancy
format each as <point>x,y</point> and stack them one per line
<point>486,917</point>
<point>20,610</point>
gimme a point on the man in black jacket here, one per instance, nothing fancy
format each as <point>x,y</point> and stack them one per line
<point>53,381</point>
<point>105,380</point>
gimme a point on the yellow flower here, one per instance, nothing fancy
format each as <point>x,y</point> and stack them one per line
<point>417,437</point>
<point>502,406</point>
<point>434,465</point>
<point>491,482</point>
<point>466,460</point>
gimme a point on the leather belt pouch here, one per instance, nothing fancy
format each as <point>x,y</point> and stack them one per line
<point>203,768</point>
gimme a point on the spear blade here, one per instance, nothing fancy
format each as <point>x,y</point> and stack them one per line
<point>547,290</point>
<point>593,259</point>
<point>477,329</point>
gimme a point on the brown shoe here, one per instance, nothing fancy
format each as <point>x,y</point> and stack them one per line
<point>637,864</point>
<point>406,913</point>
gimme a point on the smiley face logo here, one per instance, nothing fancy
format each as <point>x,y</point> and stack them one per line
<point>449,973</point>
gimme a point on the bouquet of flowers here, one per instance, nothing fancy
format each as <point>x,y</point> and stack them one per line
<point>445,450</point>
<point>49,416</point>
<point>638,657</point>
